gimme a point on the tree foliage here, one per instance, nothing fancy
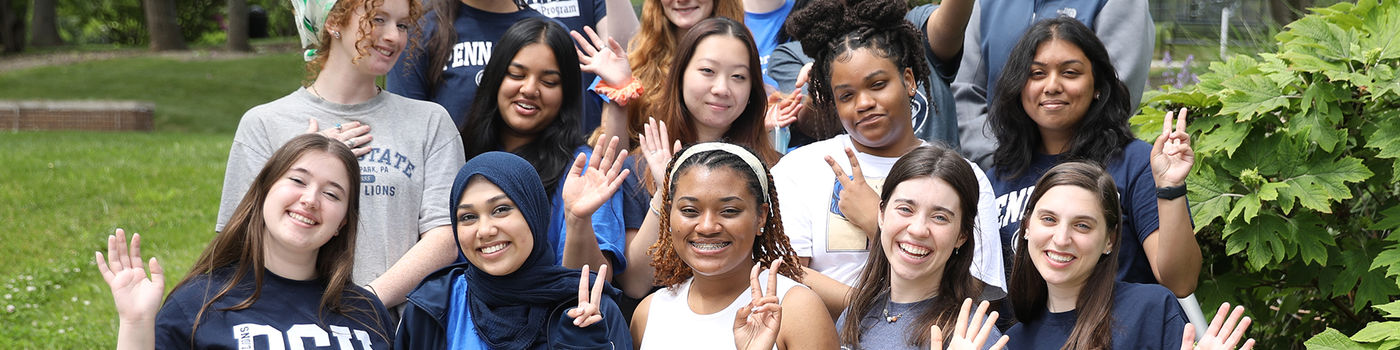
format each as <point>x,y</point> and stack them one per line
<point>1295,194</point>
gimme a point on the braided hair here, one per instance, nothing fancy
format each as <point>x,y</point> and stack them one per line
<point>771,245</point>
<point>875,25</point>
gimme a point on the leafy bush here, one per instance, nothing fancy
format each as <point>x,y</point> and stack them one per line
<point>123,22</point>
<point>1294,192</point>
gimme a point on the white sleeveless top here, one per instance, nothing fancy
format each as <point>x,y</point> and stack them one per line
<point>672,325</point>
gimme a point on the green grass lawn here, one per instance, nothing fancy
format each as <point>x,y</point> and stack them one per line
<point>62,193</point>
<point>190,95</point>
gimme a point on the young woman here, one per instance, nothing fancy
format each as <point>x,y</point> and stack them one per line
<point>1067,295</point>
<point>941,28</point>
<point>457,38</point>
<point>279,273</point>
<point>868,62</point>
<point>510,293</point>
<point>408,162</point>
<point>525,107</point>
<point>654,48</point>
<point>1059,100</point>
<point>721,218</point>
<point>712,93</point>
<point>1125,26</point>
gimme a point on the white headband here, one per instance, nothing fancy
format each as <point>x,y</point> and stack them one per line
<point>748,157</point>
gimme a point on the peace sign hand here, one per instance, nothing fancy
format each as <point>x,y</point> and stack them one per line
<point>137,298</point>
<point>589,308</point>
<point>607,60</point>
<point>1222,333</point>
<point>756,325</point>
<point>1172,156</point>
<point>586,191</point>
<point>858,202</point>
<point>968,338</point>
<point>657,149</point>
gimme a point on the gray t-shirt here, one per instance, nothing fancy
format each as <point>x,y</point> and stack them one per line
<point>878,333</point>
<point>404,180</point>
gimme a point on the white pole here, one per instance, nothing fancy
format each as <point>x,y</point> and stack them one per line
<point>1224,29</point>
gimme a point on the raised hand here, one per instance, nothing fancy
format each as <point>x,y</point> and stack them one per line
<point>859,202</point>
<point>756,325</point>
<point>965,337</point>
<point>606,59</point>
<point>1222,333</point>
<point>589,307</point>
<point>352,134</point>
<point>1172,157</point>
<point>782,111</point>
<point>137,297</point>
<point>657,149</point>
<point>586,191</point>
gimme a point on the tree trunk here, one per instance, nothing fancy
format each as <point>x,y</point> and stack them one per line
<point>161,24</point>
<point>44,27</point>
<point>11,28</point>
<point>238,26</point>
<point>1284,12</point>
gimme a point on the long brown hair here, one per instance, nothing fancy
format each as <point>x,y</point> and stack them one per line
<point>768,246</point>
<point>747,130</point>
<point>650,55</point>
<point>956,283</point>
<point>340,15</point>
<point>240,245</point>
<point>1093,327</point>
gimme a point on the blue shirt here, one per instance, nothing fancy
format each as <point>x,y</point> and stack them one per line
<point>477,33</point>
<point>286,315</point>
<point>765,28</point>
<point>624,210</point>
<point>1137,196</point>
<point>1145,316</point>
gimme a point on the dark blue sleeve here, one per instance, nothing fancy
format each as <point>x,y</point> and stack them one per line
<point>1140,201</point>
<point>635,198</point>
<point>600,10</point>
<point>406,77</point>
<point>610,333</point>
<point>174,323</point>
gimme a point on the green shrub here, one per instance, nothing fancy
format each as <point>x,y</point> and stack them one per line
<point>1294,192</point>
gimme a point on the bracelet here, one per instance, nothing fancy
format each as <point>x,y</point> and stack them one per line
<point>371,290</point>
<point>655,211</point>
<point>1171,192</point>
<point>620,95</point>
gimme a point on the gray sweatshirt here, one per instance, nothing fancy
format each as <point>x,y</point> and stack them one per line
<point>404,180</point>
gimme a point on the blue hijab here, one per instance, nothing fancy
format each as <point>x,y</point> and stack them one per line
<point>512,311</point>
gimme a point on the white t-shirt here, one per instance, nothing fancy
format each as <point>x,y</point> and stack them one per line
<point>807,197</point>
<point>671,324</point>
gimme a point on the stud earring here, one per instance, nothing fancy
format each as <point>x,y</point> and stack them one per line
<point>335,34</point>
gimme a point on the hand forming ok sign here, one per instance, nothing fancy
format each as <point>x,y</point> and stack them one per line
<point>1172,157</point>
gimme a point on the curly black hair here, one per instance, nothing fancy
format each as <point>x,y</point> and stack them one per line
<point>875,25</point>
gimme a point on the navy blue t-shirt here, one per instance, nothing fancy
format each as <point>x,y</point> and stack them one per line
<point>1137,193</point>
<point>286,315</point>
<point>477,33</point>
<point>1145,316</point>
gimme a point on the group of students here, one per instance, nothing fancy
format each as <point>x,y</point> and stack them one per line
<point>354,217</point>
